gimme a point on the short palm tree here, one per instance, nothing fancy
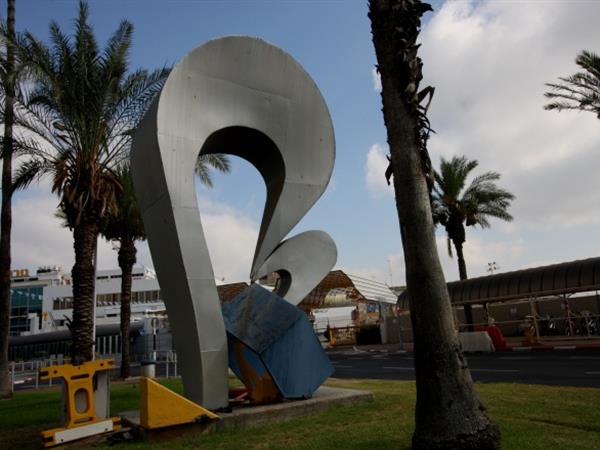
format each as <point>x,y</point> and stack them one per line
<point>580,91</point>
<point>82,110</point>
<point>126,227</point>
<point>456,205</point>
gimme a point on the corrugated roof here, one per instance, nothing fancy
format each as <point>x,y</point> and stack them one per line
<point>373,290</point>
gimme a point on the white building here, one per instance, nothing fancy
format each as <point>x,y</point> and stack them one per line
<point>44,302</point>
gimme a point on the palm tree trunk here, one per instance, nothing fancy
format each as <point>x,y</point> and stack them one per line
<point>127,258</point>
<point>6,213</point>
<point>449,413</point>
<point>462,272</point>
<point>82,327</point>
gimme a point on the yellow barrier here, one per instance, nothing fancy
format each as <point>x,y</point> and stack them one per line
<point>160,407</point>
<point>80,402</point>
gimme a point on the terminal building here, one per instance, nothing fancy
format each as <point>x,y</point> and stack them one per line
<point>42,305</point>
<point>43,302</point>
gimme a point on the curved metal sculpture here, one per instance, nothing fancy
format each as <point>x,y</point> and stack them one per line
<point>244,97</point>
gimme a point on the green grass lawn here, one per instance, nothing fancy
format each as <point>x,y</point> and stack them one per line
<point>530,416</point>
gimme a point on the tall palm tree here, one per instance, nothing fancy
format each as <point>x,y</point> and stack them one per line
<point>580,91</point>
<point>456,205</point>
<point>82,110</point>
<point>449,413</point>
<point>8,85</point>
<point>126,227</point>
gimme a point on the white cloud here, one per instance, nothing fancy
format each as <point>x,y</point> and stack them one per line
<point>375,171</point>
<point>376,79</point>
<point>38,238</point>
<point>391,271</point>
<point>478,252</point>
<point>489,61</point>
<point>231,240</point>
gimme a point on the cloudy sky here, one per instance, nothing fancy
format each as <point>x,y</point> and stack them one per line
<point>488,61</point>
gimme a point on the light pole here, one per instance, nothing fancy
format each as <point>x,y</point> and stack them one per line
<point>492,267</point>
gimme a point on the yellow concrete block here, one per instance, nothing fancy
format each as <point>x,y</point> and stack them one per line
<point>161,407</point>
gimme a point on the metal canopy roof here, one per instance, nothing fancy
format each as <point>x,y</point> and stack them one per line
<point>556,279</point>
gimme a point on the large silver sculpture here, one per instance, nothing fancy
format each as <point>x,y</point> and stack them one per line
<point>244,97</point>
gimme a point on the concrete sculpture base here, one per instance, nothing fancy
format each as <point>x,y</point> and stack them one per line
<point>249,416</point>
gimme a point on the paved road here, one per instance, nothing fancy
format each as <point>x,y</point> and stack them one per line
<point>558,368</point>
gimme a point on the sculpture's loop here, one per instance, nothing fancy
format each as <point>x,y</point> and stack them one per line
<point>302,261</point>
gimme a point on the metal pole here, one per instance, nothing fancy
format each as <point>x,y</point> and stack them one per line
<point>535,322</point>
<point>167,364</point>
<point>569,321</point>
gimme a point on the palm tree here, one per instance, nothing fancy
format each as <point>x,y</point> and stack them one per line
<point>126,227</point>
<point>449,413</point>
<point>456,205</point>
<point>8,84</point>
<point>82,110</point>
<point>580,91</point>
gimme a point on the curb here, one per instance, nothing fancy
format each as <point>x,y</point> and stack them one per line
<point>539,348</point>
<point>546,348</point>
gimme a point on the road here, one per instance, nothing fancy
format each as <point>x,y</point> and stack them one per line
<point>556,368</point>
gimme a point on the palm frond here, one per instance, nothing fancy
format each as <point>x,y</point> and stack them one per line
<point>580,91</point>
<point>217,161</point>
<point>29,171</point>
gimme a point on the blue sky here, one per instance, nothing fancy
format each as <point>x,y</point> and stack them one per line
<point>488,61</point>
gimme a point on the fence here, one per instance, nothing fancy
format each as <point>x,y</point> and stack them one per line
<point>25,374</point>
<point>538,319</point>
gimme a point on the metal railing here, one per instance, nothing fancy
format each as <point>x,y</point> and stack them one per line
<point>26,373</point>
